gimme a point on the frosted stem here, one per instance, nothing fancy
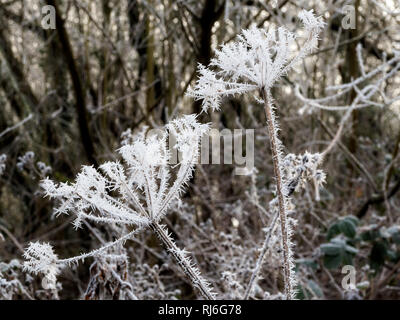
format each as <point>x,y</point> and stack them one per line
<point>275,149</point>
<point>260,259</point>
<point>184,262</point>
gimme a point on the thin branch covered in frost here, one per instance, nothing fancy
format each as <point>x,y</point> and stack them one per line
<point>135,193</point>
<point>366,94</point>
<point>17,125</point>
<point>255,62</point>
<point>256,272</point>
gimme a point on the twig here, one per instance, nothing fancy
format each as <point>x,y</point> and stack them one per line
<point>16,125</point>
<point>260,259</point>
<point>13,239</point>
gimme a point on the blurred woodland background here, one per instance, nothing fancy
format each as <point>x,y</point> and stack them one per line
<point>67,95</point>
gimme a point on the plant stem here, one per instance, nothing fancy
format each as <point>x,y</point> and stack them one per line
<point>275,149</point>
<point>260,259</point>
<point>188,268</point>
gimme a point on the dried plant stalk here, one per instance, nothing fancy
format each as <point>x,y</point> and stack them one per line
<point>275,150</point>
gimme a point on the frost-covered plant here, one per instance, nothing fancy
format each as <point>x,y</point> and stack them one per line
<point>11,283</point>
<point>40,258</point>
<point>149,285</point>
<point>367,95</point>
<point>136,193</point>
<point>44,169</point>
<point>370,94</point>
<point>27,162</point>
<point>298,169</point>
<point>255,62</point>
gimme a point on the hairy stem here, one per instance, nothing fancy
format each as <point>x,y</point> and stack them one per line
<point>275,149</point>
<point>260,259</point>
<point>184,262</point>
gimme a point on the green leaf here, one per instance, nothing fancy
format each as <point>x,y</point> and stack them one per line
<point>331,249</point>
<point>337,252</point>
<point>333,231</point>
<point>353,219</point>
<point>351,249</point>
<point>348,227</point>
<point>371,234</point>
<point>332,262</point>
<point>347,259</point>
